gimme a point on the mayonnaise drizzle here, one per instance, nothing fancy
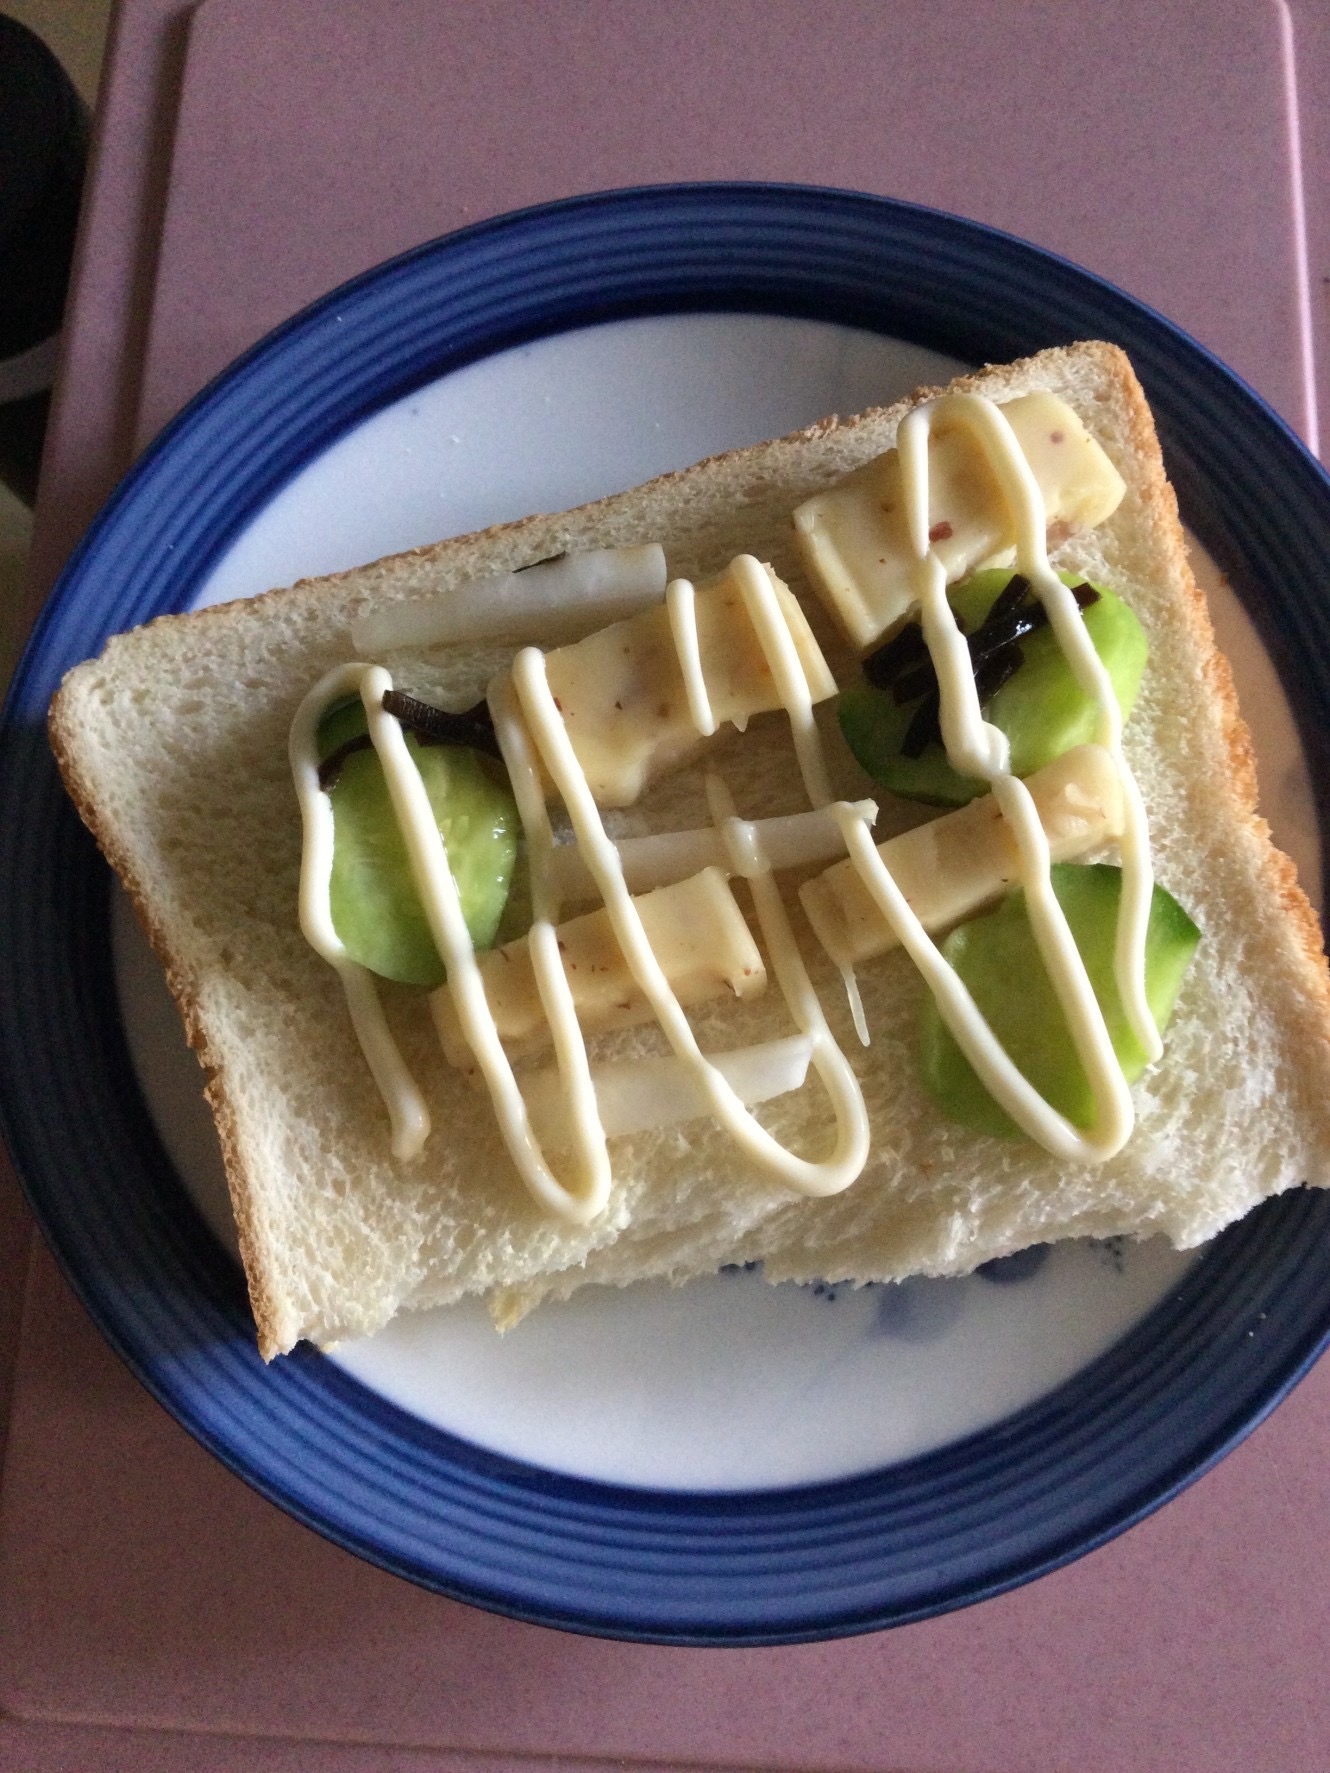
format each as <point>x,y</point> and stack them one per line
<point>571,1057</point>
<point>978,749</point>
<point>407,1113</point>
<point>437,891</point>
<point>782,658</point>
<point>681,606</point>
<point>777,643</point>
<point>822,1177</point>
<point>443,913</point>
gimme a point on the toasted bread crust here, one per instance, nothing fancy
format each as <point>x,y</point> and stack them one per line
<point>264,1299</point>
<point>1298,919</point>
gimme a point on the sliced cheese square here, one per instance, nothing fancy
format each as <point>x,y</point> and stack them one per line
<point>696,931</point>
<point>957,865</point>
<point>622,695</point>
<point>854,538</point>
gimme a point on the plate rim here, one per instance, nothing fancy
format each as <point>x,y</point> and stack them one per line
<point>173,1372</point>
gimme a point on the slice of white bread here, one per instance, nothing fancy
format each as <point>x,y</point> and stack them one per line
<point>173,745</point>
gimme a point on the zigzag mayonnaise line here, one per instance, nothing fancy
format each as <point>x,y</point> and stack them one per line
<point>438,894</point>
<point>577,1090</point>
<point>828,1176</point>
<point>1027,507</point>
<point>681,602</point>
<point>977,749</point>
<point>777,644</point>
<point>407,1113</point>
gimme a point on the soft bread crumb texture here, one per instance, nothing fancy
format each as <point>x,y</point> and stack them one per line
<point>173,746</point>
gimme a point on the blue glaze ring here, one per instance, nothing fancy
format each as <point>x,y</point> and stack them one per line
<point>776,1566</point>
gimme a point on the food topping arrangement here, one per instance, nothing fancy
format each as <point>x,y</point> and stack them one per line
<point>756,866</point>
<point>951,709</point>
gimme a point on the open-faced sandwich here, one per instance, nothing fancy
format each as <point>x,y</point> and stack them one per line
<point>841,855</point>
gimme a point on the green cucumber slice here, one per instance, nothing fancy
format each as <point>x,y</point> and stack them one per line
<point>375,908</point>
<point>1042,709</point>
<point>996,957</point>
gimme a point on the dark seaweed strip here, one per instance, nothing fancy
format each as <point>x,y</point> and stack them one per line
<point>474,728</point>
<point>994,659</point>
<point>331,767</point>
<point>923,729</point>
<point>1012,595</point>
<point>994,672</point>
<point>431,726</point>
<point>1002,628</point>
<point>904,649</point>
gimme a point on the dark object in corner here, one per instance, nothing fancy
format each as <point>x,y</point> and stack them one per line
<point>43,151</point>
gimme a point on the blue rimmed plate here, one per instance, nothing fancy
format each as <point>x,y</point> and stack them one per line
<point>759,1564</point>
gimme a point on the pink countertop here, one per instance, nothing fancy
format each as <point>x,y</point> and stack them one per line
<point>155,1613</point>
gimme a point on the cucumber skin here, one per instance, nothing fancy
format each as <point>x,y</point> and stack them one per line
<point>991,952</point>
<point>1042,709</point>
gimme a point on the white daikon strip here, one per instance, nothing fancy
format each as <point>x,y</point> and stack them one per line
<point>796,840</point>
<point>554,601</point>
<point>636,1095</point>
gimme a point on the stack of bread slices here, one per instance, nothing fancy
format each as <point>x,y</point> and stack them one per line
<point>174,747</point>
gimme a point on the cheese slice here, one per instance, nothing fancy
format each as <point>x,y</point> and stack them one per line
<point>957,865</point>
<point>624,700</point>
<point>696,931</point>
<point>854,538</point>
